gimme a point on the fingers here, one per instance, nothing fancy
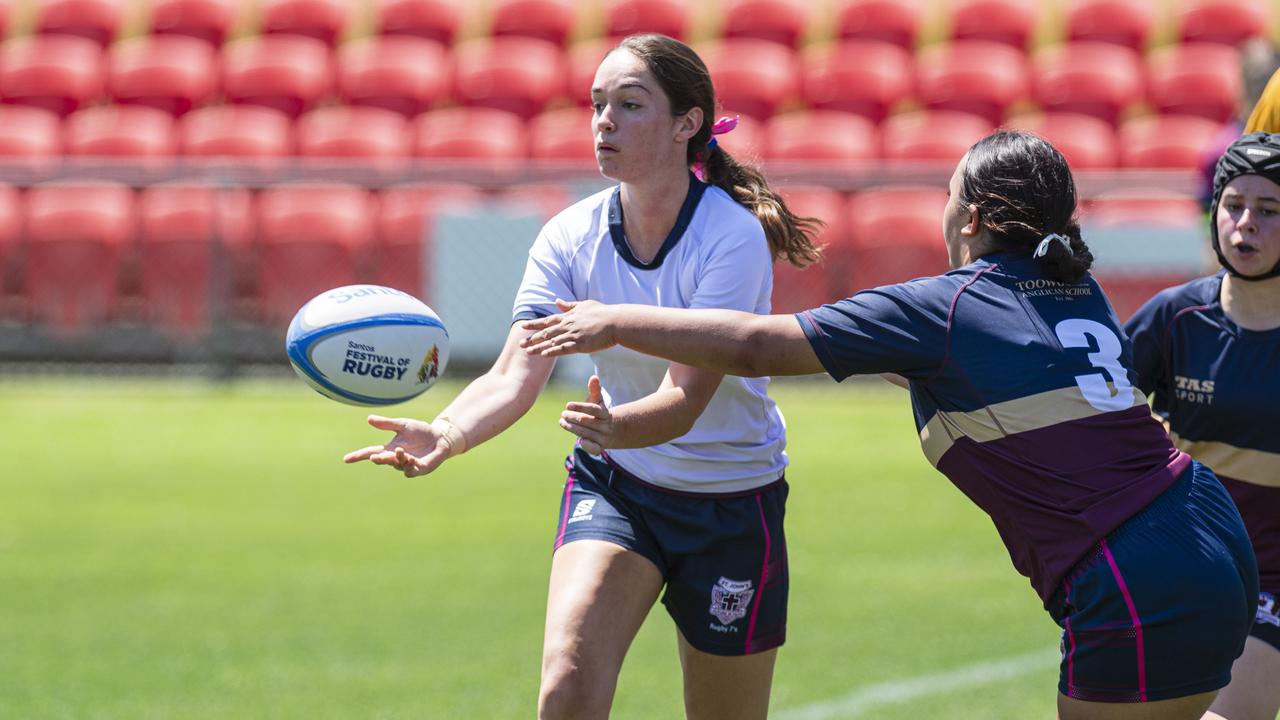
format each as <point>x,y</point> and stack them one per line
<point>591,447</point>
<point>565,305</point>
<point>362,453</point>
<point>593,390</point>
<point>588,411</point>
<point>384,423</point>
<point>539,324</point>
<point>586,432</point>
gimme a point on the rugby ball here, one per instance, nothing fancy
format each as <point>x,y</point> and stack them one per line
<point>367,345</point>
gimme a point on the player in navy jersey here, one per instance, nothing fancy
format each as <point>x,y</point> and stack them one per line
<point>677,481</point>
<point>1208,351</point>
<point>1023,396</point>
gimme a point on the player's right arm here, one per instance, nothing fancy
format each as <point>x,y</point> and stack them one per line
<point>726,341</point>
<point>488,405</point>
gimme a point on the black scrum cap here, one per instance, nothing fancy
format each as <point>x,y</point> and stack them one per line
<point>1254,154</point>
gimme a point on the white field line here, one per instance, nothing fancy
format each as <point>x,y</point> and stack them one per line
<point>895,691</point>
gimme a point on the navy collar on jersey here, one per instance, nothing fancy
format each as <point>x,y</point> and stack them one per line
<point>696,189</point>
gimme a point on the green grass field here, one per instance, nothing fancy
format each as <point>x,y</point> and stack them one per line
<point>181,550</point>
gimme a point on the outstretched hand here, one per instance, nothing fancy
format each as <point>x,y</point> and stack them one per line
<point>591,421</point>
<point>416,449</point>
<point>581,327</point>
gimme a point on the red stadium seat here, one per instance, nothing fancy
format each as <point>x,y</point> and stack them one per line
<point>542,199</point>
<point>821,136</point>
<point>11,255</point>
<point>313,237</point>
<point>746,142</point>
<point>353,131</point>
<point>208,20</point>
<point>867,77</point>
<point>1166,141</point>
<point>518,74</point>
<point>78,234</point>
<point>751,77</point>
<point>6,13</point>
<point>933,136</point>
<point>403,230</point>
<point>1085,141</point>
<point>55,72</point>
<point>192,236</point>
<point>1144,240</point>
<point>171,72</point>
<point>566,134</point>
<point>324,20</point>
<point>1123,22</point>
<point>28,132</point>
<point>628,17</point>
<point>1201,79</point>
<point>235,131</point>
<point>1222,21</point>
<point>896,234</point>
<point>796,289</point>
<point>429,19</point>
<point>120,130</point>
<point>550,20</point>
<point>1011,22</point>
<point>1093,78</point>
<point>397,72</point>
<point>96,20</point>
<point>583,59</point>
<point>287,72</point>
<point>780,21</point>
<point>478,133</point>
<point>973,76</point>
<point>892,21</point>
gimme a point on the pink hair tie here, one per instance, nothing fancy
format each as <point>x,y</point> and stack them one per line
<point>720,127</point>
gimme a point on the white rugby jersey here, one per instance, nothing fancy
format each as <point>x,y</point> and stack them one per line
<point>716,256</point>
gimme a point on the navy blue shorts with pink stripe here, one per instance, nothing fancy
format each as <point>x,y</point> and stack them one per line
<point>723,557</point>
<point>1163,605</point>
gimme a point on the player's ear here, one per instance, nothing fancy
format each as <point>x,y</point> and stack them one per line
<point>973,224</point>
<point>688,124</point>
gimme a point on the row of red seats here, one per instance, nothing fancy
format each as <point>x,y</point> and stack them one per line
<point>753,77</point>
<point>71,251</point>
<point>384,141</point>
<point>1127,22</point>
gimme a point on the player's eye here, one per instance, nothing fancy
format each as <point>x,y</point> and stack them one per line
<point>597,107</point>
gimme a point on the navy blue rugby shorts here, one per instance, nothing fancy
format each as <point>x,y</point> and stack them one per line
<point>723,557</point>
<point>1162,607</point>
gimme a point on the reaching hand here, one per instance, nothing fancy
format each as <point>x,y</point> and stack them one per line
<point>416,449</point>
<point>581,327</point>
<point>590,420</point>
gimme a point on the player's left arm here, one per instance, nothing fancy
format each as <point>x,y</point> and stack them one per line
<point>662,416</point>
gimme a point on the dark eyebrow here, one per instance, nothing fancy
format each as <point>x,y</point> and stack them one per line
<point>623,86</point>
<point>1264,198</point>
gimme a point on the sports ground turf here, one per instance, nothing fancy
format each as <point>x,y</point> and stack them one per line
<point>183,550</point>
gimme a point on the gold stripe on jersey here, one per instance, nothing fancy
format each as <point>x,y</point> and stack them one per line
<point>1252,466</point>
<point>1024,414</point>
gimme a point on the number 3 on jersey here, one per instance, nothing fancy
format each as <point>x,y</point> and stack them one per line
<point>1075,333</point>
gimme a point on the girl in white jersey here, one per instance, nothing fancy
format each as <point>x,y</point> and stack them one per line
<point>677,479</point>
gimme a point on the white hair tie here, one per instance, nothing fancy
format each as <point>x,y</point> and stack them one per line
<point>1043,248</point>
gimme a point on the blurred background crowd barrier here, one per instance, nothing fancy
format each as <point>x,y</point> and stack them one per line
<point>178,176</point>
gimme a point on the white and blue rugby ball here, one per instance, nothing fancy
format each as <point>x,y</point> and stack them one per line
<point>367,345</point>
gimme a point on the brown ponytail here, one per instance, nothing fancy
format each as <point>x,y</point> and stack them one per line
<point>687,83</point>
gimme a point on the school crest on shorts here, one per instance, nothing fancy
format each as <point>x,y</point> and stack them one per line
<point>1268,609</point>
<point>730,599</point>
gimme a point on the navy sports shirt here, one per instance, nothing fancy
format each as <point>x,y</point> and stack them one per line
<point>1023,397</point>
<point>1217,385</point>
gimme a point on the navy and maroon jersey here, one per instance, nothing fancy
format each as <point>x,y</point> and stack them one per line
<point>1216,385</point>
<point>1023,397</point>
